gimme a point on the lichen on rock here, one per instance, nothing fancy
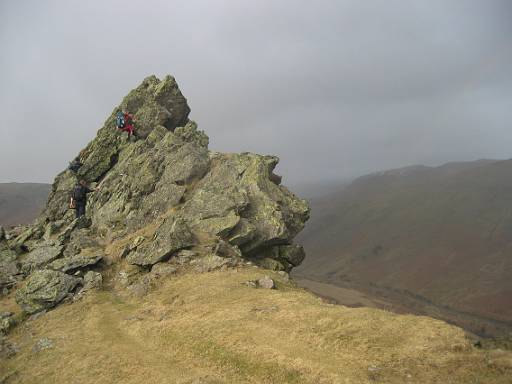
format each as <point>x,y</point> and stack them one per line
<point>45,289</point>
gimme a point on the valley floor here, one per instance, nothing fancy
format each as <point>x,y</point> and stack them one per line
<point>213,328</point>
<point>354,294</point>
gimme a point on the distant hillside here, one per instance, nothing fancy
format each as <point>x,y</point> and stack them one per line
<point>432,237</point>
<point>20,203</point>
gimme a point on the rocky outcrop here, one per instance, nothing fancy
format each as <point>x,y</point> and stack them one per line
<point>209,209</point>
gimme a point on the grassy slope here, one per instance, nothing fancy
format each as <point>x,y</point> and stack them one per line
<point>443,233</point>
<point>20,203</point>
<point>211,328</point>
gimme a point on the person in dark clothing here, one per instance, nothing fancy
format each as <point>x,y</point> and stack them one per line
<point>75,164</point>
<point>79,197</point>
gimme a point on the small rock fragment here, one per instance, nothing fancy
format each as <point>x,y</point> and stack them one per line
<point>92,280</point>
<point>6,322</point>
<point>266,282</point>
<point>42,344</point>
<point>163,269</point>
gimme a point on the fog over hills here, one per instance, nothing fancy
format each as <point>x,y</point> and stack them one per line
<point>424,236</point>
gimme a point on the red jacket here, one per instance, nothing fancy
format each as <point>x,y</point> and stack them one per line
<point>128,119</point>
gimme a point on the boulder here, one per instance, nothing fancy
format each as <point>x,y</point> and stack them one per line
<point>45,289</point>
<point>156,103</point>
<point>40,257</point>
<point>69,264</point>
<point>266,283</point>
<point>173,235</point>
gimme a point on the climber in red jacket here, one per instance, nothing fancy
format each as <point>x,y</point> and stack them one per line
<point>124,122</point>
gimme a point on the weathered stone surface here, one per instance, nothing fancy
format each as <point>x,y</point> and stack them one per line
<point>72,263</point>
<point>156,103</point>
<point>212,262</point>
<point>293,254</point>
<point>6,322</point>
<point>266,282</point>
<point>272,264</point>
<point>243,232</point>
<point>9,270</point>
<point>92,280</point>
<point>128,275</point>
<point>173,235</point>
<point>163,269</point>
<point>191,134</point>
<point>45,289</point>
<point>183,257</point>
<point>40,257</point>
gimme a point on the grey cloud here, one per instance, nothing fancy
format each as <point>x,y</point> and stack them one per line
<point>335,88</point>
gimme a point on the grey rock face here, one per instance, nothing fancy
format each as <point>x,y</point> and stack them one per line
<point>173,235</point>
<point>72,263</point>
<point>212,262</point>
<point>9,270</point>
<point>40,257</point>
<point>45,289</point>
<point>293,254</point>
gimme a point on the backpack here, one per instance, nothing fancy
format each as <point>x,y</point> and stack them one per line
<point>78,193</point>
<point>120,121</point>
<point>74,166</point>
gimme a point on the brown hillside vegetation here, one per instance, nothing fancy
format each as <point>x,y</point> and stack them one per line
<point>212,328</point>
<point>428,236</point>
<point>20,203</point>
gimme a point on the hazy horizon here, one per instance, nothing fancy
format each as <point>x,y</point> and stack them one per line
<point>335,89</point>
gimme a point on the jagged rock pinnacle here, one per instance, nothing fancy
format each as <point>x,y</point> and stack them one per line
<point>170,187</point>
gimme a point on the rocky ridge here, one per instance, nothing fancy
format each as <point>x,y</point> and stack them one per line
<point>162,198</point>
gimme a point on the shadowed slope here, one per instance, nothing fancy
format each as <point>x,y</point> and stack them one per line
<point>442,233</point>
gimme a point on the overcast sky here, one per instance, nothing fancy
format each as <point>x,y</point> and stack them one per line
<point>334,88</point>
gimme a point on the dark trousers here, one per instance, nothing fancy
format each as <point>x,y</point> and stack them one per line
<point>80,208</point>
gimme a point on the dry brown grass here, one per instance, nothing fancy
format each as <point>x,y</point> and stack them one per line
<point>210,328</point>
